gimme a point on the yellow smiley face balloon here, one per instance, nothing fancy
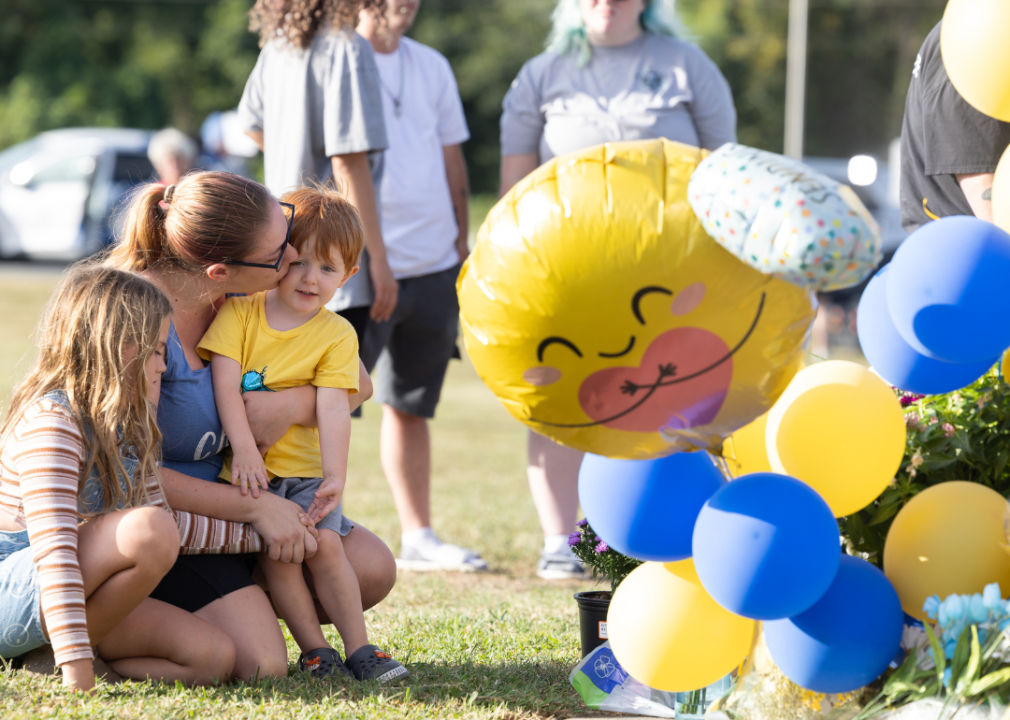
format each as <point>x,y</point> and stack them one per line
<point>603,316</point>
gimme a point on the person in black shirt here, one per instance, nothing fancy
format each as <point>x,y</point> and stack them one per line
<point>949,150</point>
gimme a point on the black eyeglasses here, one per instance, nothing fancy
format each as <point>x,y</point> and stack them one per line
<point>284,248</point>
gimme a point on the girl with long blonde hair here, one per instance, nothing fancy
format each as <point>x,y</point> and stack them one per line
<point>81,441</point>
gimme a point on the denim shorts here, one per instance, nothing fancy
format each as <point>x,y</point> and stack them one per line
<point>20,600</point>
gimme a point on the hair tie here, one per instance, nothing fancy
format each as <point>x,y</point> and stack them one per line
<point>169,192</point>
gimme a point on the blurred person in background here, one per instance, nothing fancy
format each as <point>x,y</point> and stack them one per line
<point>313,104</point>
<point>613,70</point>
<point>423,206</point>
<point>226,143</point>
<point>173,154</point>
<point>949,150</point>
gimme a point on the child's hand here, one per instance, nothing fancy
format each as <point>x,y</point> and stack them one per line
<point>327,498</point>
<point>248,471</point>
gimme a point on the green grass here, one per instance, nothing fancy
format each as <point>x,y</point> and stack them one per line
<point>496,645</point>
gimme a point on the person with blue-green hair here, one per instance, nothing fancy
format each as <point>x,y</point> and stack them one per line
<point>613,70</point>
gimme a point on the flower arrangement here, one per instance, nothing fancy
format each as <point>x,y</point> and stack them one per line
<point>604,562</point>
<point>958,436</point>
<point>963,662</point>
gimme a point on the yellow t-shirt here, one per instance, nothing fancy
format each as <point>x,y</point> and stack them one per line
<point>322,352</point>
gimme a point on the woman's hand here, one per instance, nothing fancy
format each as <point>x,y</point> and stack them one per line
<point>285,529</point>
<point>271,414</point>
<point>79,675</point>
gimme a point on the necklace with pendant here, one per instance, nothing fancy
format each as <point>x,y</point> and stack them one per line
<point>398,97</point>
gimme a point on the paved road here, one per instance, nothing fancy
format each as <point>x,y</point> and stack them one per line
<point>30,269</point>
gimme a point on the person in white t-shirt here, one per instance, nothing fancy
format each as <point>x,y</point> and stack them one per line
<point>423,207</point>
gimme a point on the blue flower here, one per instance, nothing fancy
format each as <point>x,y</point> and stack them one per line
<point>992,598</point>
<point>951,609</point>
<point>946,677</point>
<point>977,610</point>
<point>931,606</point>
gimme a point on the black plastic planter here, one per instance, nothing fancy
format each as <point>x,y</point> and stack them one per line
<point>593,608</point>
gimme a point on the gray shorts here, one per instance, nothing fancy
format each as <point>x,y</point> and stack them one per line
<point>412,349</point>
<point>302,491</point>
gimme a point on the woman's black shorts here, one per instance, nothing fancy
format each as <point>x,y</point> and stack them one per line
<point>196,581</point>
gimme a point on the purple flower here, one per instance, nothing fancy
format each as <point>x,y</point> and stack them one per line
<point>909,398</point>
<point>582,523</point>
<point>574,539</point>
<point>602,547</point>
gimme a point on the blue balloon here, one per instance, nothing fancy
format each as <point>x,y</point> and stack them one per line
<point>898,362</point>
<point>847,639</point>
<point>766,546</point>
<point>947,290</point>
<point>646,508</point>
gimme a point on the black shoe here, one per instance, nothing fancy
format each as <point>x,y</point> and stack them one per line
<point>370,663</point>
<point>324,662</point>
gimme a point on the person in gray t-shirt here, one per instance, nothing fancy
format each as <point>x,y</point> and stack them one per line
<point>613,71</point>
<point>313,104</point>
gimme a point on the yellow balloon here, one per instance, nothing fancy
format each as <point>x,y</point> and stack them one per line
<point>976,54</point>
<point>948,539</point>
<point>669,633</point>
<point>746,450</point>
<point>1001,193</point>
<point>602,315</point>
<point>840,429</point>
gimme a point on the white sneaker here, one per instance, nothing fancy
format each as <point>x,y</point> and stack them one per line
<point>561,566</point>
<point>439,556</point>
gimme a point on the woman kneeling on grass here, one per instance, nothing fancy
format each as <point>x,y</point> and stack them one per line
<point>212,235</point>
<point>83,417</point>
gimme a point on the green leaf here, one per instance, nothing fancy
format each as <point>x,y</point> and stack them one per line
<point>989,681</point>
<point>957,664</point>
<point>884,513</point>
<point>974,666</point>
<point>938,656</point>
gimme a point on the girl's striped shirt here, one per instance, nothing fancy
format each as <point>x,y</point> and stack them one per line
<point>40,475</point>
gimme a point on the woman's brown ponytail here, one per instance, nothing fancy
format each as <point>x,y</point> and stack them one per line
<point>144,231</point>
<point>208,217</point>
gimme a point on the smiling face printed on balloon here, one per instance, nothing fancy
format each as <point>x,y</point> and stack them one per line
<point>603,316</point>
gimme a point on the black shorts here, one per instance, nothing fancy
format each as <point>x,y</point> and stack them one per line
<point>358,318</point>
<point>196,581</point>
<point>412,349</point>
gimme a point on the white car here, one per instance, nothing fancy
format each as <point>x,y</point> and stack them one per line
<point>59,190</point>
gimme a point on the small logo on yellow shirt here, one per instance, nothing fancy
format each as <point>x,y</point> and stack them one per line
<point>253,380</point>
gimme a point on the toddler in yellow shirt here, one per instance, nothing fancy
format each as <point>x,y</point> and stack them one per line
<point>280,339</point>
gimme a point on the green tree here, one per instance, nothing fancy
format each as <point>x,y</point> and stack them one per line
<point>149,64</point>
<point>111,63</point>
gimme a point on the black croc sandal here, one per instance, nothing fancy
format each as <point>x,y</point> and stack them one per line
<point>324,662</point>
<point>370,663</point>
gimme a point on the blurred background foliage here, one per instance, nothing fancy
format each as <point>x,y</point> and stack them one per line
<point>151,63</point>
